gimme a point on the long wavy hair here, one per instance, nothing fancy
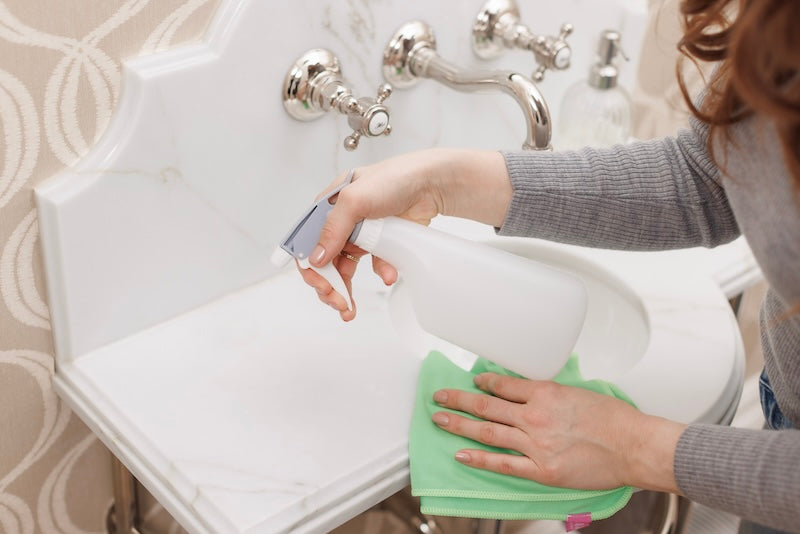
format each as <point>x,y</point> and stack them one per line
<point>757,46</point>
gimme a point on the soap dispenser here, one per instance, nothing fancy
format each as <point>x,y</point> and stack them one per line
<point>597,111</point>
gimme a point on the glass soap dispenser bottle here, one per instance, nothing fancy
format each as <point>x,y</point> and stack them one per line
<point>597,111</point>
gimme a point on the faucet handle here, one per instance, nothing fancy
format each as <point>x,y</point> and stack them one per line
<point>367,117</point>
<point>498,27</point>
<point>552,52</point>
<point>314,85</point>
<point>384,92</point>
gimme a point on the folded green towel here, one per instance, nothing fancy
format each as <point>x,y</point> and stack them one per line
<point>447,487</point>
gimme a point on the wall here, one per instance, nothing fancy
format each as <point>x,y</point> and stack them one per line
<point>658,105</point>
<point>59,83</point>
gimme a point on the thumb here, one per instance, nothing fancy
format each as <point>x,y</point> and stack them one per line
<point>334,234</point>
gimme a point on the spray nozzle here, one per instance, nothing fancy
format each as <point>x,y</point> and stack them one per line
<point>304,236</point>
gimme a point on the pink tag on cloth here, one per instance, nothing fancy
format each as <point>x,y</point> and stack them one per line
<point>576,521</point>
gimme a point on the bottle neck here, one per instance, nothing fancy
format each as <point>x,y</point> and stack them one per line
<point>368,234</point>
<point>397,241</point>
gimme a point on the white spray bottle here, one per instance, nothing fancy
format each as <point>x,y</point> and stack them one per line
<point>516,312</point>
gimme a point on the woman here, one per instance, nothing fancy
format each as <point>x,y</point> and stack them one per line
<point>736,170</point>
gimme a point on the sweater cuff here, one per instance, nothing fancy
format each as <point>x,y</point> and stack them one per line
<point>750,473</point>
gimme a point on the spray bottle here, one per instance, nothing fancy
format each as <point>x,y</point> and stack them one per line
<point>514,311</point>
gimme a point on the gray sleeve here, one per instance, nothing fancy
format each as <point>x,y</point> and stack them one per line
<point>751,473</point>
<point>652,195</point>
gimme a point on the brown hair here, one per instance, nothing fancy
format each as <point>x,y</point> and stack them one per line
<point>757,43</point>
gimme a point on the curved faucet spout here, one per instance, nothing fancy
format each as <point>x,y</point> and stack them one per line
<point>411,55</point>
<point>427,63</point>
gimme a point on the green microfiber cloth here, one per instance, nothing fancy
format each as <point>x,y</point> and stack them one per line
<point>447,487</point>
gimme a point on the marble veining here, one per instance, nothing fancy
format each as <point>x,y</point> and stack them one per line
<point>359,37</point>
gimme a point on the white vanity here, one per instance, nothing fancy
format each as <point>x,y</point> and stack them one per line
<point>237,399</point>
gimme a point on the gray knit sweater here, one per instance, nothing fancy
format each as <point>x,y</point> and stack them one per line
<point>668,193</point>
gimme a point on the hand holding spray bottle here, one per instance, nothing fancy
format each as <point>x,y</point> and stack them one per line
<point>514,311</point>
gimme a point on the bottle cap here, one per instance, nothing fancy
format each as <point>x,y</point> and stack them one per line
<point>367,234</point>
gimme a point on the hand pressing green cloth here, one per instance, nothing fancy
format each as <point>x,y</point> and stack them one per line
<point>447,487</point>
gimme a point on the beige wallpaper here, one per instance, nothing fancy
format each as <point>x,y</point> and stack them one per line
<point>59,84</point>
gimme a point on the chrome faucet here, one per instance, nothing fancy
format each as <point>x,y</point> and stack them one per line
<point>411,55</point>
<point>498,28</point>
<point>314,85</point>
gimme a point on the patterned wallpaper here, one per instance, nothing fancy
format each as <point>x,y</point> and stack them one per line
<point>60,71</point>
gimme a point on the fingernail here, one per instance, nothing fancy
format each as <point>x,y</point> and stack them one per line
<point>462,457</point>
<point>440,397</point>
<point>317,254</point>
<point>441,419</point>
<point>478,380</point>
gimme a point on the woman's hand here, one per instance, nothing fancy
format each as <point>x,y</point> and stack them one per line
<point>415,186</point>
<point>568,436</point>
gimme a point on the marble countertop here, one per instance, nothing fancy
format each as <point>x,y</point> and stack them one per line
<point>247,423</point>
